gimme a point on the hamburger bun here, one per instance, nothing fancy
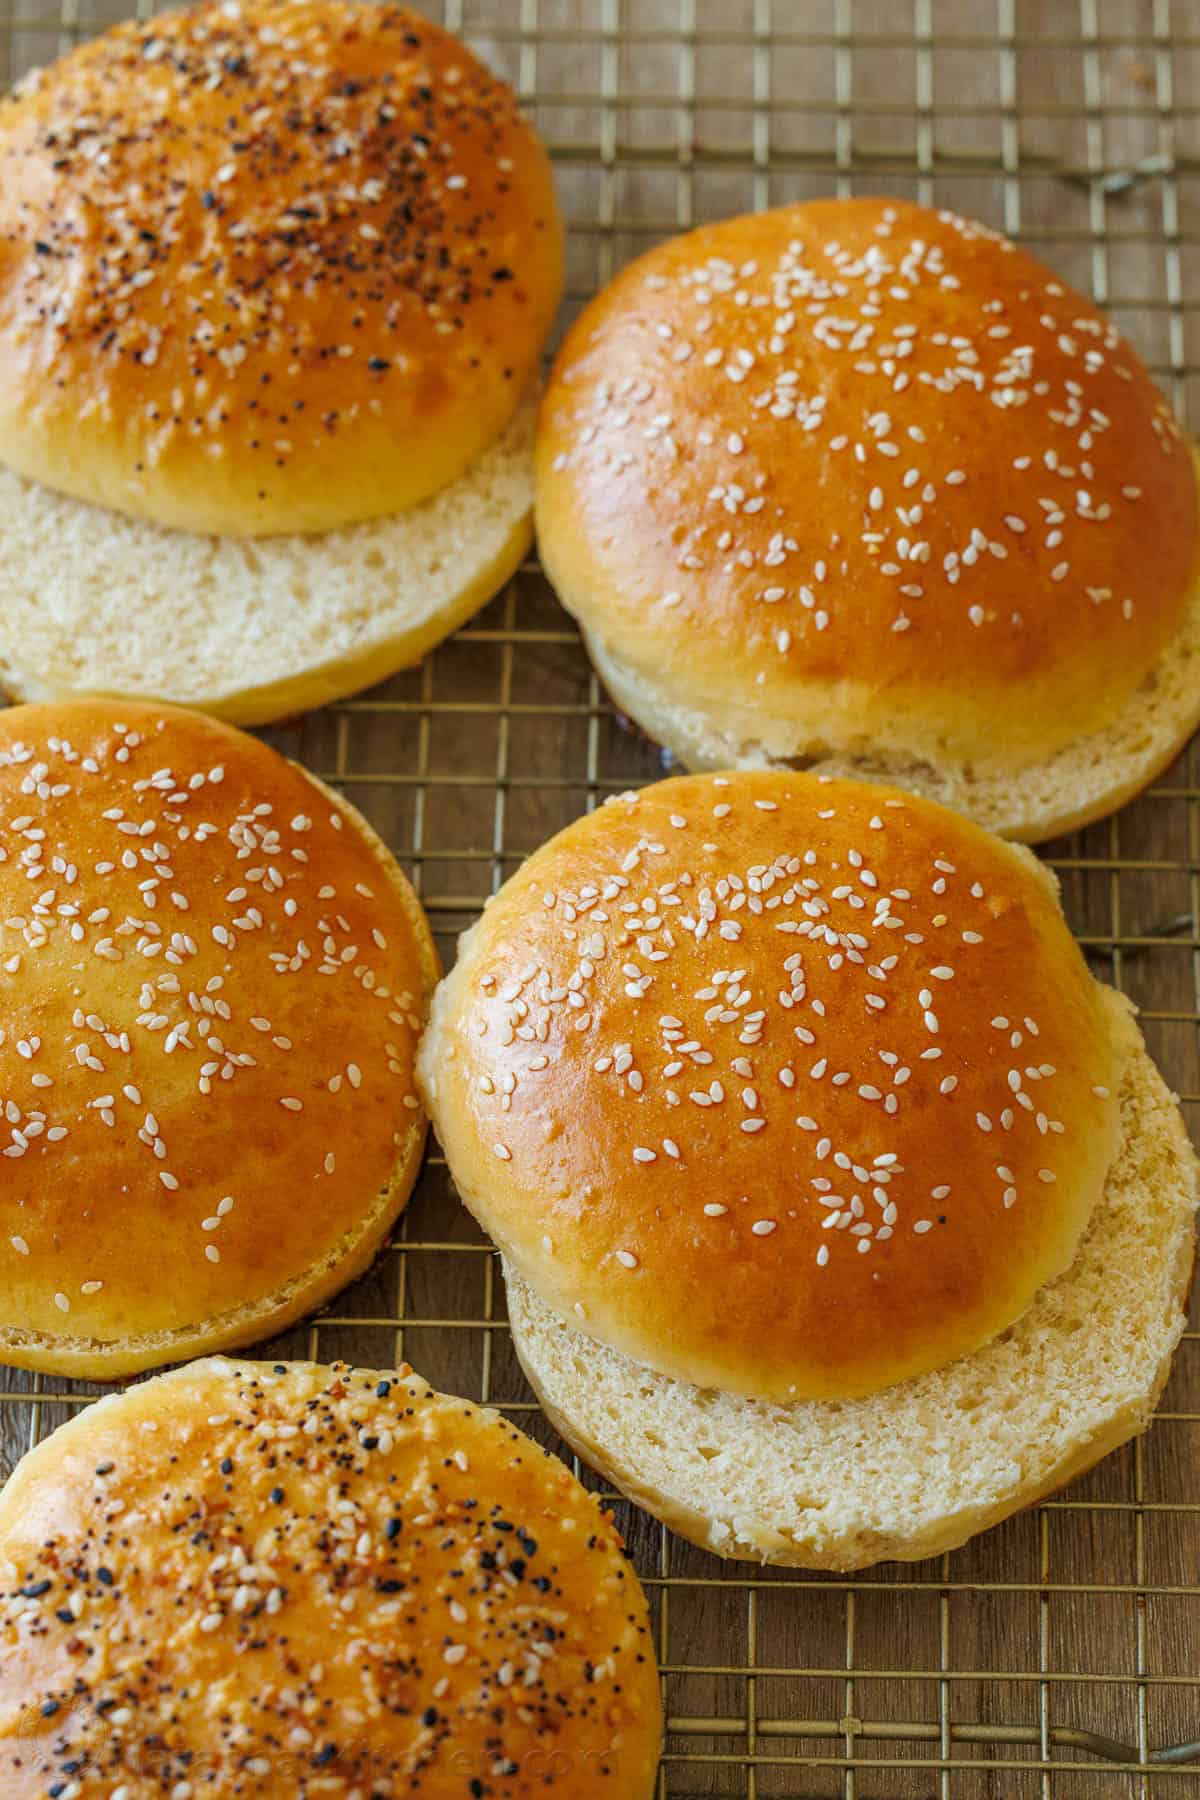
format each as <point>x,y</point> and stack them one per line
<point>275,277</point>
<point>263,1580</point>
<point>191,1162</point>
<point>860,486</point>
<point>270,266</point>
<point>790,1087</point>
<point>917,1469</point>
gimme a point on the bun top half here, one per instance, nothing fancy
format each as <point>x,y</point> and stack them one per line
<point>871,465</point>
<point>212,981</point>
<point>268,265</point>
<point>791,1087</point>
<point>291,1579</point>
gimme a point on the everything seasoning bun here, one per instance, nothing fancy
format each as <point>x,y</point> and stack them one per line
<point>858,485</point>
<point>212,980</point>
<point>267,270</point>
<point>264,1580</point>
<point>793,1099</point>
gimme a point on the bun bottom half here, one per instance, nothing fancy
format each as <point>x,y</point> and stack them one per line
<point>103,1359</point>
<point>250,630</point>
<point>919,1468</point>
<point>1085,780</point>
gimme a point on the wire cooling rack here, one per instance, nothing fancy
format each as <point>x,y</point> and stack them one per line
<point>1058,1656</point>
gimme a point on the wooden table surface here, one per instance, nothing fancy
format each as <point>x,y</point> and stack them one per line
<point>1076,127</point>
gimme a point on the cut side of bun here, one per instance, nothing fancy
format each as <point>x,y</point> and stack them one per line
<point>1067,789</point>
<point>916,1469</point>
<point>93,602</point>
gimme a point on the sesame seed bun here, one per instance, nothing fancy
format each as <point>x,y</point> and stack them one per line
<point>857,483</point>
<point>916,1470</point>
<point>257,1580</point>
<point>212,980</point>
<point>268,266</point>
<point>788,1087</point>
<point>94,602</point>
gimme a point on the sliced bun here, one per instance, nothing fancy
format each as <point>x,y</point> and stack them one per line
<point>857,484</point>
<point>268,266</point>
<point>792,1087</point>
<point>93,602</point>
<point>213,978</point>
<point>919,1468</point>
<point>286,1579</point>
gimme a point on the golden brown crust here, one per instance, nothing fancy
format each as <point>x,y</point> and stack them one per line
<point>335,1574</point>
<point>270,267</point>
<point>789,1087</point>
<point>212,980</point>
<point>870,468</point>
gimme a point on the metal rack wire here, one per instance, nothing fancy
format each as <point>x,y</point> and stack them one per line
<point>1059,1656</point>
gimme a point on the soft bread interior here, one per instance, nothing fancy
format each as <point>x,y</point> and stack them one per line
<point>919,1468</point>
<point>93,602</point>
<point>1080,782</point>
